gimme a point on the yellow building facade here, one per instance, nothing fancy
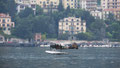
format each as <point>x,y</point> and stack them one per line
<point>5,23</point>
<point>48,4</point>
<point>70,3</point>
<point>72,25</point>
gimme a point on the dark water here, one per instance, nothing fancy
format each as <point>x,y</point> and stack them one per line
<point>35,57</point>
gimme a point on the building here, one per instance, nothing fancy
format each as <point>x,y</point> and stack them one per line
<point>71,3</point>
<point>2,39</point>
<point>22,4</point>
<point>89,5</point>
<point>71,26</point>
<point>38,37</point>
<point>111,6</point>
<point>96,14</point>
<point>48,5</point>
<point>5,23</point>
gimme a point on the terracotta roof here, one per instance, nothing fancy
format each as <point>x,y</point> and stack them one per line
<point>4,15</point>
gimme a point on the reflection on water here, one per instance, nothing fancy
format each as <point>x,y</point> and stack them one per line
<point>35,57</point>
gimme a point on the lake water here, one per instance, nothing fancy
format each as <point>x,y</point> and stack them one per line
<point>35,57</point>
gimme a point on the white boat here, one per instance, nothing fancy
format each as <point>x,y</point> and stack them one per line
<point>44,45</point>
<point>55,52</point>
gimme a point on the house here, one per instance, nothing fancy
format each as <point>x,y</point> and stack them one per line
<point>6,23</point>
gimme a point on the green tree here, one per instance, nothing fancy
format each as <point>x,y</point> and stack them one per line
<point>39,10</point>
<point>98,29</point>
<point>60,6</point>
<point>26,12</point>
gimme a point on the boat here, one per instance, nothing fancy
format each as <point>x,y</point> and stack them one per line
<point>55,52</point>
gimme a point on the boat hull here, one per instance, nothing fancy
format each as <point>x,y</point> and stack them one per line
<point>55,52</point>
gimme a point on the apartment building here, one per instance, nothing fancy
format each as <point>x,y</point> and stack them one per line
<point>22,4</point>
<point>71,26</point>
<point>48,5</point>
<point>111,6</point>
<point>5,23</point>
<point>89,5</point>
<point>70,3</point>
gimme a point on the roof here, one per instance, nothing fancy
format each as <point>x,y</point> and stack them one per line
<point>113,9</point>
<point>2,15</point>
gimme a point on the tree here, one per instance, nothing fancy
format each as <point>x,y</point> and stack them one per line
<point>11,6</point>
<point>98,29</point>
<point>39,10</point>
<point>60,6</point>
<point>84,36</point>
<point>26,12</point>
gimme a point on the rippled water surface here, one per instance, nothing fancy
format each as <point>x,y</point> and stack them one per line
<point>35,57</point>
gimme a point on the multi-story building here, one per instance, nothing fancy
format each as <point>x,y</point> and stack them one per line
<point>71,26</point>
<point>48,5</point>
<point>111,6</point>
<point>22,4</point>
<point>70,3</point>
<point>5,23</point>
<point>88,4</point>
<point>96,14</point>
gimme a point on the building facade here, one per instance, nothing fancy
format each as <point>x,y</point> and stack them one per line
<point>48,5</point>
<point>111,6</point>
<point>96,14</point>
<point>71,26</point>
<point>22,4</point>
<point>5,23</point>
<point>89,5</point>
<point>71,3</point>
<point>38,37</point>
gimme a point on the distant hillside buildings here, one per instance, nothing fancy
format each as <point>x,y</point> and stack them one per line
<point>5,23</point>
<point>48,5</point>
<point>106,7</point>
<point>22,4</point>
<point>72,25</point>
<point>111,6</point>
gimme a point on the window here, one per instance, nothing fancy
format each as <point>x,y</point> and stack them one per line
<point>82,29</point>
<point>3,20</point>
<point>20,0</point>
<point>8,25</point>
<point>72,20</point>
<point>4,28</point>
<point>40,2</point>
<point>8,20</point>
<point>21,6</point>
<point>77,27</point>
<point>3,25</point>
<point>47,2</point>
<point>77,23</point>
<point>55,3</point>
<point>66,23</point>
<point>66,20</point>
<point>8,28</point>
